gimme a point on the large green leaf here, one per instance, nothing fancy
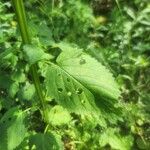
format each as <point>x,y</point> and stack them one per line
<point>89,72</point>
<point>12,129</point>
<point>48,141</point>
<point>77,78</point>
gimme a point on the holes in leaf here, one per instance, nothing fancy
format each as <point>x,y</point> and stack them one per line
<point>60,90</point>
<point>59,74</point>
<point>82,61</point>
<point>79,91</point>
<point>68,79</point>
<point>8,119</point>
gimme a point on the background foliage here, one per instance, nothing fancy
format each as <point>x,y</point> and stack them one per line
<point>116,34</point>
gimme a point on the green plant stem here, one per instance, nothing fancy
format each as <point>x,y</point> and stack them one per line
<point>21,17</point>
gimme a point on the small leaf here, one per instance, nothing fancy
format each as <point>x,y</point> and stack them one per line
<point>59,116</point>
<point>34,54</point>
<point>27,92</point>
<point>18,76</point>
<point>130,12</point>
<point>13,89</point>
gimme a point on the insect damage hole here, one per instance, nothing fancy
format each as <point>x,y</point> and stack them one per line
<point>79,91</point>
<point>60,90</point>
<point>82,61</point>
<point>59,74</point>
<point>68,79</point>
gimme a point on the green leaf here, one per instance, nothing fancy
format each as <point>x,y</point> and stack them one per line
<point>115,140</point>
<point>5,54</point>
<point>143,144</point>
<point>48,141</point>
<point>67,91</point>
<point>27,92</point>
<point>5,81</point>
<point>59,116</point>
<point>13,89</point>
<point>77,78</point>
<point>89,72</point>
<point>13,129</point>
<point>18,75</point>
<point>130,12</point>
<point>34,54</point>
